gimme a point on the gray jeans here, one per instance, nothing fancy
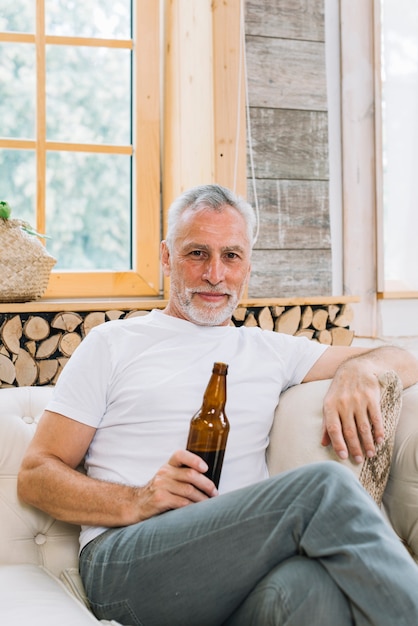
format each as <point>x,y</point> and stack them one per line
<point>306,548</point>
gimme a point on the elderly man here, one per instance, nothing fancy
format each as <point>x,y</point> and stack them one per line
<point>159,545</point>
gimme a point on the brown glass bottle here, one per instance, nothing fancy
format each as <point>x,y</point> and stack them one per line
<point>209,427</point>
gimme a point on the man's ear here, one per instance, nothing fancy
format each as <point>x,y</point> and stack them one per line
<point>165,259</point>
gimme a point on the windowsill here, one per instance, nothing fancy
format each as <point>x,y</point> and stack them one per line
<point>124,304</point>
<point>81,304</point>
<point>397,295</point>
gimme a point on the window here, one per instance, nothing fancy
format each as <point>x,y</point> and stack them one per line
<point>79,138</point>
<point>399,124</point>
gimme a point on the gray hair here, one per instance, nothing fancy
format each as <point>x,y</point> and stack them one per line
<point>215,197</point>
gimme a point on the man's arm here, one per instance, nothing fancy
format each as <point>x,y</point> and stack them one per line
<point>49,480</point>
<point>352,418</point>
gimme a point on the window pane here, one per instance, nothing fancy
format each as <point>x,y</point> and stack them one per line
<point>95,18</point>
<point>17,15</point>
<point>90,101</point>
<point>400,140</point>
<point>17,183</point>
<point>17,90</point>
<point>89,211</point>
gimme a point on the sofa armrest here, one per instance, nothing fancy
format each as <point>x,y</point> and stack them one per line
<point>295,440</point>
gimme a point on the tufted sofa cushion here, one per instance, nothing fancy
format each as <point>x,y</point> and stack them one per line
<point>28,535</point>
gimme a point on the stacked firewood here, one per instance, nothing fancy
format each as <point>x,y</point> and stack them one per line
<point>34,348</point>
<point>326,324</point>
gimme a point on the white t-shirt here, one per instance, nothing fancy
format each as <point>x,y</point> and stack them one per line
<point>139,381</point>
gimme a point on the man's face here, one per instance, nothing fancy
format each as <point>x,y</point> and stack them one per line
<point>209,265</point>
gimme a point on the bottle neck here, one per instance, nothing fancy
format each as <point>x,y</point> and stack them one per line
<point>215,394</point>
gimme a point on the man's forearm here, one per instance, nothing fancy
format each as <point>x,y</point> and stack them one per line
<point>54,488</point>
<point>384,358</point>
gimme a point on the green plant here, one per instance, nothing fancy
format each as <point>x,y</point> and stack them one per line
<point>5,209</point>
<point>5,212</point>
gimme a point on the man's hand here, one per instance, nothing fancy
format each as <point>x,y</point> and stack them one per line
<point>181,481</point>
<point>352,418</point>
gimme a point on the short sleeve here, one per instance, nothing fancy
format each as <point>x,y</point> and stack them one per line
<point>299,355</point>
<point>81,390</point>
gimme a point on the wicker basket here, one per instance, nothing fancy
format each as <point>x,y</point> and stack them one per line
<point>25,265</point>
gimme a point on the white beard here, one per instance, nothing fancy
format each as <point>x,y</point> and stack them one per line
<point>207,314</point>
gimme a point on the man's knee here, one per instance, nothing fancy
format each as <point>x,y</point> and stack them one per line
<point>330,473</point>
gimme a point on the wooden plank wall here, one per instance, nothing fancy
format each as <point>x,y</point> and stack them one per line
<point>285,54</point>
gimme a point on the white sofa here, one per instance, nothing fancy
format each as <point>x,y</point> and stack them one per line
<point>39,582</point>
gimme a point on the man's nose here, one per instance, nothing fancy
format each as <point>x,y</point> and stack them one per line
<point>214,271</point>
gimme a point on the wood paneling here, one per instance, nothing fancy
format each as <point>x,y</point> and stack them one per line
<point>290,144</point>
<point>358,159</point>
<point>284,73</point>
<point>229,95</point>
<point>288,158</point>
<point>291,19</point>
<point>295,214</point>
<point>188,97</point>
<point>289,273</point>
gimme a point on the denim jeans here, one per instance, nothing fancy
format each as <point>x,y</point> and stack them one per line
<point>306,548</point>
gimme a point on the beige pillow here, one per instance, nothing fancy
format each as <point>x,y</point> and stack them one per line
<point>295,438</point>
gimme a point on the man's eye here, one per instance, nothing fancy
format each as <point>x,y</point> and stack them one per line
<point>196,253</point>
<point>232,255</point>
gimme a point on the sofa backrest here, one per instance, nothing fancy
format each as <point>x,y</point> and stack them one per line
<point>30,536</point>
<point>27,534</point>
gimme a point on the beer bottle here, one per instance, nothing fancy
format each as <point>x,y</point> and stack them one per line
<point>209,427</point>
